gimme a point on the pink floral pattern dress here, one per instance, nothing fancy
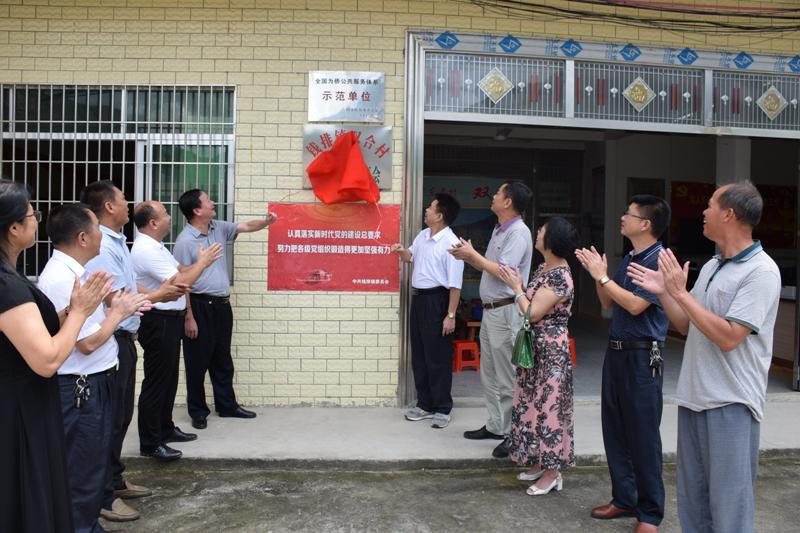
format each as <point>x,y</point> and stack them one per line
<point>542,413</point>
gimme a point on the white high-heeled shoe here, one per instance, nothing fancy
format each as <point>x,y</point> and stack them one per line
<point>557,484</point>
<point>525,476</point>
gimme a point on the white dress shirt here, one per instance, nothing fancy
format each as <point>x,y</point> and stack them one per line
<point>153,264</point>
<point>56,282</point>
<point>434,266</point>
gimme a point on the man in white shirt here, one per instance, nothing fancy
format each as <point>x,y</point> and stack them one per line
<point>86,379</point>
<point>436,287</point>
<point>161,329</point>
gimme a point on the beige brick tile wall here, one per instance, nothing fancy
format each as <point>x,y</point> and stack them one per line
<point>289,348</point>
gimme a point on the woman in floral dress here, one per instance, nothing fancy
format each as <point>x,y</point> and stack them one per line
<point>542,414</point>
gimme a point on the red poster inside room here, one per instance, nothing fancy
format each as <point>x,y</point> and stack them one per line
<point>339,247</point>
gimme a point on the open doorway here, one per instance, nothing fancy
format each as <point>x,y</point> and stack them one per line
<point>587,176</point>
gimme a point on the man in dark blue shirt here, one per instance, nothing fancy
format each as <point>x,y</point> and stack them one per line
<point>632,381</point>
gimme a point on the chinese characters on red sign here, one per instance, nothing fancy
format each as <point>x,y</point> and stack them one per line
<point>341,247</point>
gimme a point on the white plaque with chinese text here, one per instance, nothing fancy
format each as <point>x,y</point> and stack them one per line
<point>338,96</point>
<point>376,147</point>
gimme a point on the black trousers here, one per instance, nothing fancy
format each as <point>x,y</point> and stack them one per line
<point>87,438</point>
<point>631,415</point>
<point>124,396</point>
<point>431,353</point>
<point>160,337</point>
<point>209,352</point>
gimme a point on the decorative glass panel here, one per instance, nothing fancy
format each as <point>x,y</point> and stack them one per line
<point>459,83</point>
<point>756,101</point>
<point>638,93</point>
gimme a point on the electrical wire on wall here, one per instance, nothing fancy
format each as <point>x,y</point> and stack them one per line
<point>670,15</point>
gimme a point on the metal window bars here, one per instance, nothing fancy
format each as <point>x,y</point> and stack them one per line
<point>154,142</point>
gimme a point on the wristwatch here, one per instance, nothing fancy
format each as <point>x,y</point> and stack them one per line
<point>451,315</point>
<point>604,280</point>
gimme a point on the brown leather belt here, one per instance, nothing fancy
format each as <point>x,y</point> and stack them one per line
<point>498,303</point>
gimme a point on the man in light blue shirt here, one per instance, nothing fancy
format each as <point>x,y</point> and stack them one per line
<point>111,208</point>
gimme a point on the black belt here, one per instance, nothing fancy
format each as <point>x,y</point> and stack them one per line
<point>498,303</point>
<point>210,299</point>
<point>168,312</point>
<point>632,345</point>
<point>432,290</point>
<point>124,333</point>
<point>108,372</point>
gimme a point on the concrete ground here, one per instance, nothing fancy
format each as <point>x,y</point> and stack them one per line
<point>382,435</point>
<point>249,496</point>
<point>353,470</point>
<point>367,469</point>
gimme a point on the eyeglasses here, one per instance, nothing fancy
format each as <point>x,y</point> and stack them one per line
<point>37,215</point>
<point>629,214</point>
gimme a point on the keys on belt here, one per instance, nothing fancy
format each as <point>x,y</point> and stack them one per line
<point>656,361</point>
<point>83,391</point>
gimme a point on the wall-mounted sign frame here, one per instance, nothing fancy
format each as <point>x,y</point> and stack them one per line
<point>341,96</point>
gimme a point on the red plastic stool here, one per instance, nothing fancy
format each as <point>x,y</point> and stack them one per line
<point>466,354</point>
<point>572,355</point>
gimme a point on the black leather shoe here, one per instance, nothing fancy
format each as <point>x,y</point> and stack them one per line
<point>164,453</point>
<point>179,436</point>
<point>239,412</point>
<point>482,433</point>
<point>501,450</point>
<point>199,423</point>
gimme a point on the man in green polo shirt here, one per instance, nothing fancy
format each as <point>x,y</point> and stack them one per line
<point>728,317</point>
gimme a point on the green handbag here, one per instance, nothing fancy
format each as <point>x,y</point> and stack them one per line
<point>522,354</point>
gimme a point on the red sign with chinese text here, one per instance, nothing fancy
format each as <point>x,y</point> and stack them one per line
<point>339,247</point>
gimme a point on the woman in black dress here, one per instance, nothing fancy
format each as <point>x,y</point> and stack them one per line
<point>34,342</point>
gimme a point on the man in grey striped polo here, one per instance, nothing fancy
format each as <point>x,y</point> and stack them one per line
<point>510,245</point>
<point>728,318</point>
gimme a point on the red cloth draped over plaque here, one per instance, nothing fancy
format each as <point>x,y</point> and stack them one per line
<point>340,174</point>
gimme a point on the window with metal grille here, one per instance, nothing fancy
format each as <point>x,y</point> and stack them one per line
<point>153,142</point>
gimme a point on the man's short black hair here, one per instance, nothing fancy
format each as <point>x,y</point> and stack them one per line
<point>560,237</point>
<point>143,214</point>
<point>656,210</point>
<point>188,202</point>
<point>66,222</point>
<point>96,194</point>
<point>520,195</point>
<point>447,206</point>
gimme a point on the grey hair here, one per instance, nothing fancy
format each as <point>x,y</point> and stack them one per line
<point>745,200</point>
